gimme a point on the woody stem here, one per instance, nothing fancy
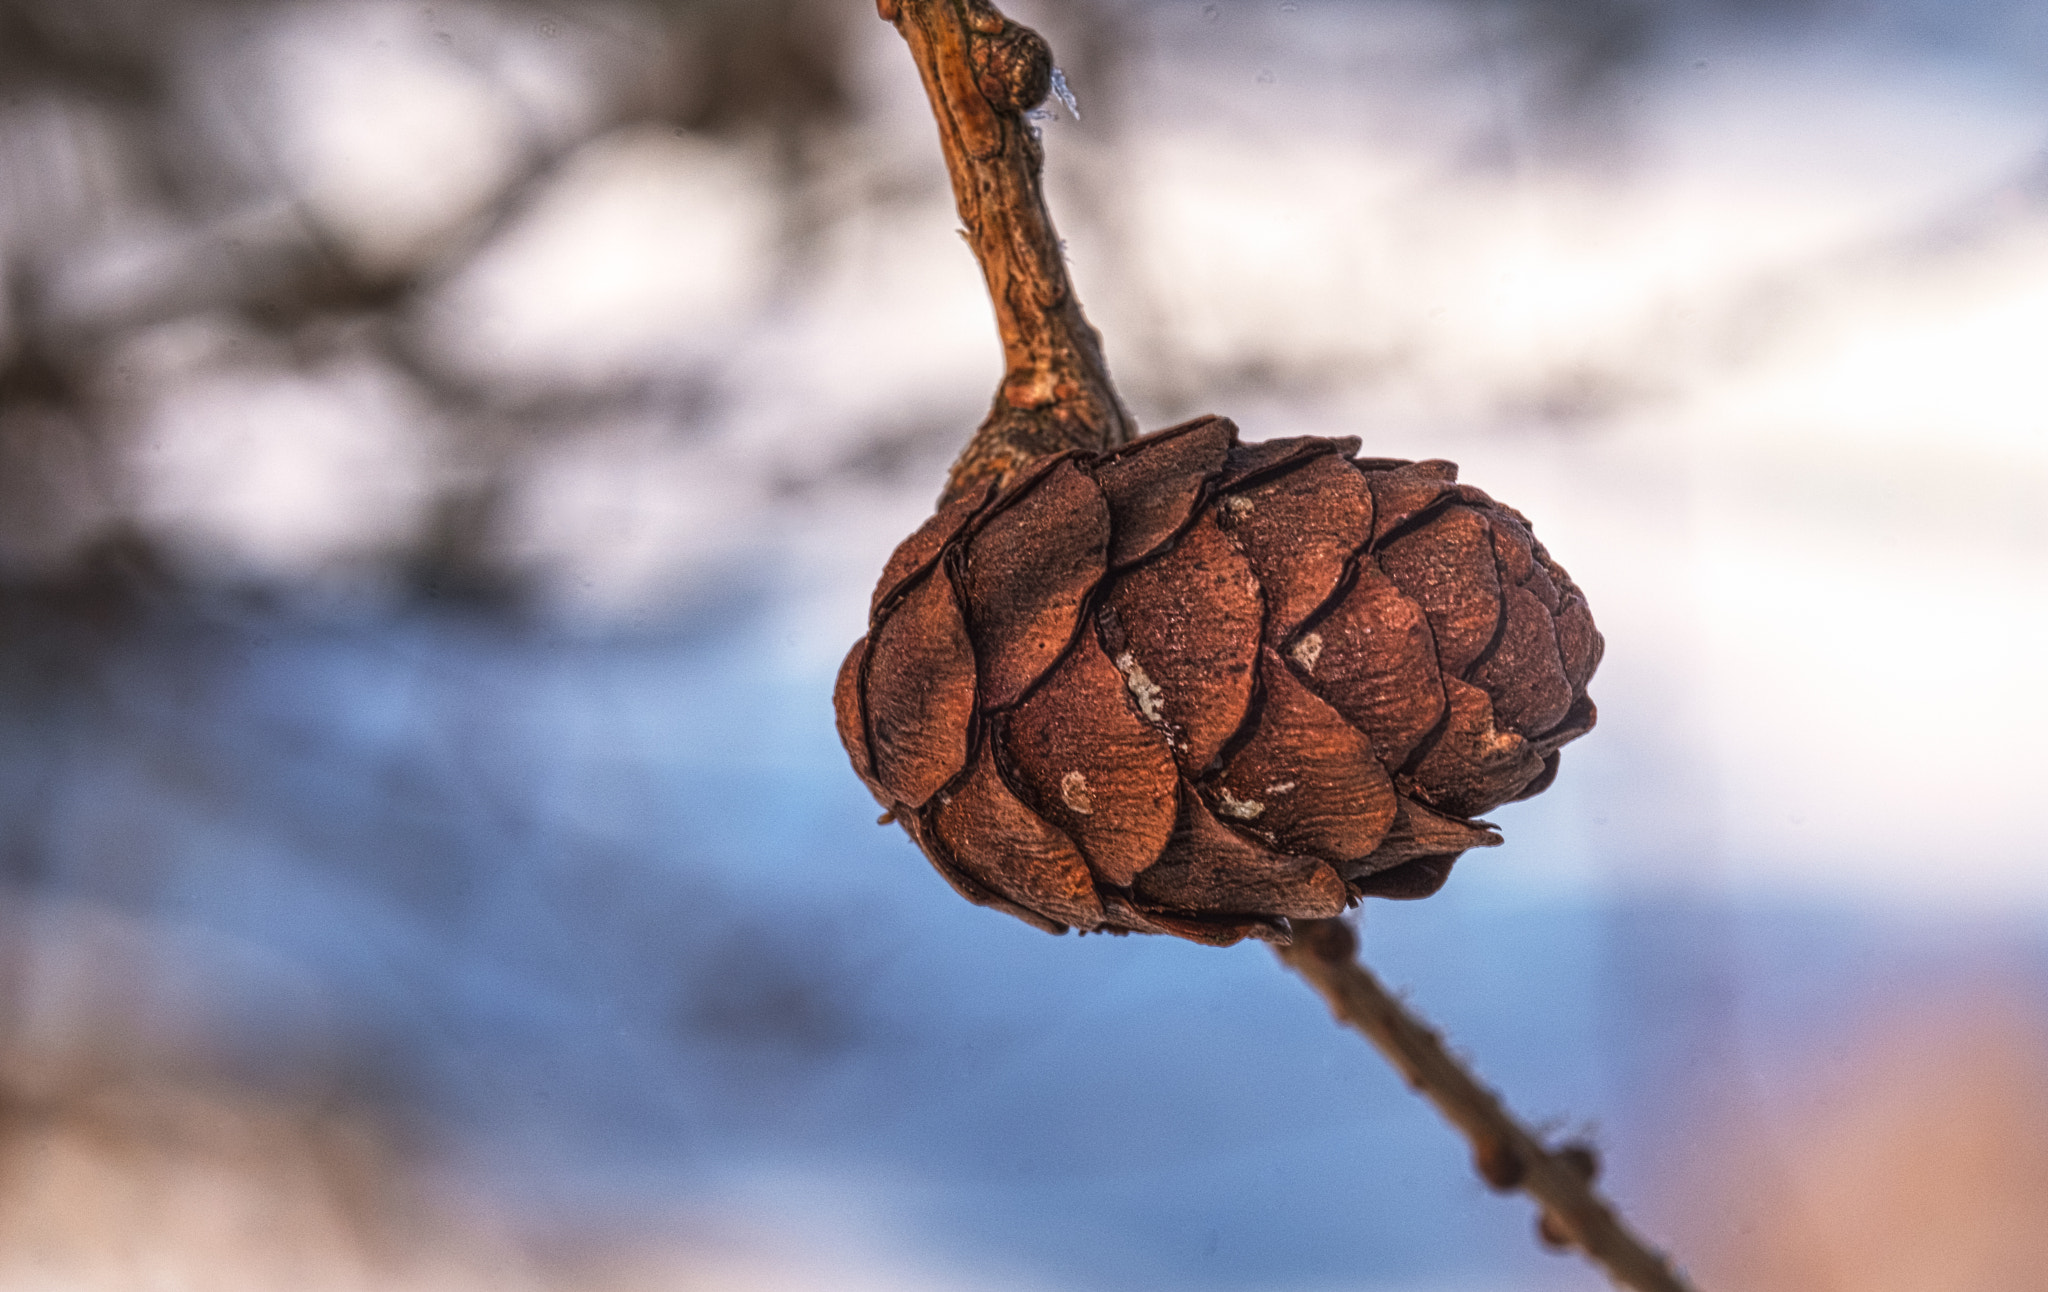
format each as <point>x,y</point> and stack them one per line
<point>1506,1154</point>
<point>982,73</point>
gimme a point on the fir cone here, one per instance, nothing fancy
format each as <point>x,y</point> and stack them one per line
<point>1196,687</point>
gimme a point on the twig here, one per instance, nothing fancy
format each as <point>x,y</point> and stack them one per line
<point>982,73</point>
<point>1506,1155</point>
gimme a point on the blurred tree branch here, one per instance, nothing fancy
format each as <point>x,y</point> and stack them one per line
<point>135,138</point>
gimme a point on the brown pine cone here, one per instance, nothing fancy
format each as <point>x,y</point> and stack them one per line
<point>1193,686</point>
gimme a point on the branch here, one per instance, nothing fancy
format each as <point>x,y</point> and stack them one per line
<point>982,73</point>
<point>1506,1155</point>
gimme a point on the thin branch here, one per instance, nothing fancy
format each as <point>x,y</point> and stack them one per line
<point>1505,1153</point>
<point>982,73</point>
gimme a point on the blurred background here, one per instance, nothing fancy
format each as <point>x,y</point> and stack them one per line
<point>445,449</point>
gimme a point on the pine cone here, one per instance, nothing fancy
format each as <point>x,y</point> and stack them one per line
<point>1192,686</point>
